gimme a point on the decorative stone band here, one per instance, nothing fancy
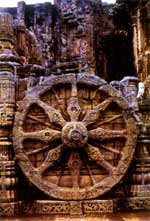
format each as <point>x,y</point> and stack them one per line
<point>73,207</point>
<point>7,98</point>
<point>8,181</point>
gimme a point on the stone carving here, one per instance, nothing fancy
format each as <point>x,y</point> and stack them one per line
<point>130,90</point>
<point>8,179</point>
<point>76,208</point>
<point>64,208</point>
<point>135,203</point>
<point>98,207</point>
<point>7,209</point>
<point>76,38</point>
<point>7,98</point>
<point>52,207</point>
<point>78,130</point>
<point>68,207</point>
<point>140,178</point>
<point>74,135</point>
<point>144,89</point>
<point>141,90</point>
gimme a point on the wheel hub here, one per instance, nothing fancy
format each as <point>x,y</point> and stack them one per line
<point>74,135</point>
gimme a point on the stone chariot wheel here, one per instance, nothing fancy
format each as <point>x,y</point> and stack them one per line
<point>74,136</point>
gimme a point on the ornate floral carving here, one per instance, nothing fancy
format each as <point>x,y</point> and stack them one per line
<point>97,207</point>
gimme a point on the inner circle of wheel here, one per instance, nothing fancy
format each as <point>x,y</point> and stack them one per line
<point>74,135</point>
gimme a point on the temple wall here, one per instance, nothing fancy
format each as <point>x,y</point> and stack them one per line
<point>55,59</point>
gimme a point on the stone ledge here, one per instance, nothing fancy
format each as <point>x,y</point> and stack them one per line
<point>40,207</point>
<point>88,207</point>
<point>11,209</point>
<point>132,204</point>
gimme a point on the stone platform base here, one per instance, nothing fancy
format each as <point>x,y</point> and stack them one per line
<point>69,207</point>
<point>88,207</point>
<point>10,209</point>
<point>132,204</point>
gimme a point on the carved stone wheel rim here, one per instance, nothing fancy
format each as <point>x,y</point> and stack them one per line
<point>75,137</point>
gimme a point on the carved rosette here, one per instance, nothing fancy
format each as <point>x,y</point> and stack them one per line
<point>74,136</point>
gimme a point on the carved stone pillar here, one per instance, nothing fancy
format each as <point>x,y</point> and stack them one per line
<point>141,164</point>
<point>8,180</point>
<point>139,177</point>
<point>21,12</point>
<point>6,30</point>
<point>139,174</point>
<point>8,59</point>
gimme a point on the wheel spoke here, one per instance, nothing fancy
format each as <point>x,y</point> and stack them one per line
<point>95,154</point>
<point>60,176</point>
<point>74,90</point>
<point>93,115</point>
<point>93,181</point>
<point>90,174</point>
<point>74,165</point>
<point>94,93</point>
<point>46,135</point>
<point>103,134</point>
<point>32,152</point>
<point>74,109</point>
<point>59,104</point>
<point>54,115</point>
<point>110,120</point>
<point>38,120</point>
<point>110,149</point>
<point>52,156</point>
